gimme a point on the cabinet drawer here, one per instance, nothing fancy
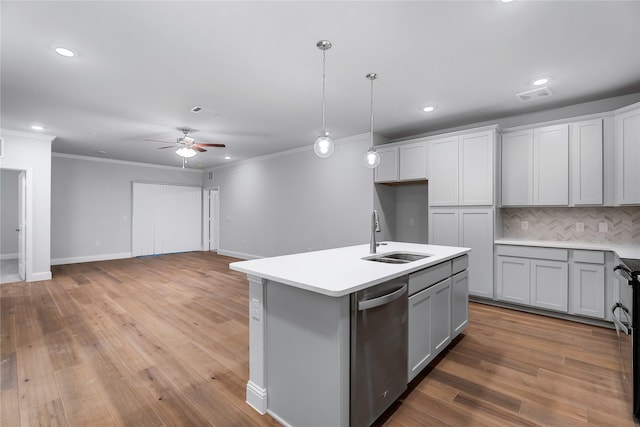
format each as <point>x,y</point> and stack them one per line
<point>429,276</point>
<point>591,257</point>
<point>459,264</point>
<point>553,254</point>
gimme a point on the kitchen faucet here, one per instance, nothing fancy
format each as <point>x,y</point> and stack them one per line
<point>374,226</point>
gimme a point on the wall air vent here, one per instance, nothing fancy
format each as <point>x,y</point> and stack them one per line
<point>531,95</point>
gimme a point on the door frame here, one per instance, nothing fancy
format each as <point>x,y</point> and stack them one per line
<point>211,219</point>
<point>28,206</point>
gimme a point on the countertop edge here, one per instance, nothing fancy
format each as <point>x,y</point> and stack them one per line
<point>623,250</point>
<point>419,265</point>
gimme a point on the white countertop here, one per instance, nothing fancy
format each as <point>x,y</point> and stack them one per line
<point>341,271</point>
<point>623,250</point>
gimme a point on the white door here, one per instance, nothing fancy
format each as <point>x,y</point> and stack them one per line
<point>443,227</point>
<point>443,172</point>
<point>214,224</point>
<point>551,166</point>
<point>22,223</point>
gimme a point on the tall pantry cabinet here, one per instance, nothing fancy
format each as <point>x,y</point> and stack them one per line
<point>461,174</point>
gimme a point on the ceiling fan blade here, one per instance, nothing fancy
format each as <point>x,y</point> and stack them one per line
<point>169,146</point>
<point>210,145</point>
<point>157,140</point>
<point>195,147</point>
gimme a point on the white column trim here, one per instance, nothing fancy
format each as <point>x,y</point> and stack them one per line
<point>257,384</point>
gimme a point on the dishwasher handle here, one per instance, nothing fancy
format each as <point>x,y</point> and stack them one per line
<point>384,299</point>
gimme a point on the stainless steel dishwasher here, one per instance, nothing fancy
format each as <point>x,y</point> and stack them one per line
<point>378,349</point>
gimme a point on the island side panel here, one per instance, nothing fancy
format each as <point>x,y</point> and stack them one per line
<point>257,384</point>
<point>307,356</point>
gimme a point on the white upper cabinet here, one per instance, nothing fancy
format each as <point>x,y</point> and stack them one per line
<point>476,168</point>
<point>628,156</point>
<point>387,170</point>
<point>461,170</point>
<point>413,161</point>
<point>443,172</point>
<point>535,167</point>
<point>405,161</point>
<point>551,166</point>
<point>587,163</point>
<point>517,163</point>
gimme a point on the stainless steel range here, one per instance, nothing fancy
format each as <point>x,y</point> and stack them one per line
<point>626,315</point>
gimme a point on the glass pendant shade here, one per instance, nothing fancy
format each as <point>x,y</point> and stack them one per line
<point>323,147</point>
<point>186,152</point>
<point>371,158</point>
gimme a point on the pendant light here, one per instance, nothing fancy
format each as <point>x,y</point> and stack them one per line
<point>372,158</point>
<point>323,147</point>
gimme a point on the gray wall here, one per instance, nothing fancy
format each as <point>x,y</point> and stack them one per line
<point>92,202</point>
<point>8,213</point>
<point>295,202</point>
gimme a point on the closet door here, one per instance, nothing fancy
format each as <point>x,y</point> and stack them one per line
<point>166,219</point>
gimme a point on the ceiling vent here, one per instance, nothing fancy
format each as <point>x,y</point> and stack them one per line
<point>531,95</point>
<point>197,109</point>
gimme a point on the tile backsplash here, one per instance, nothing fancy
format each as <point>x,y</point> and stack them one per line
<point>563,224</point>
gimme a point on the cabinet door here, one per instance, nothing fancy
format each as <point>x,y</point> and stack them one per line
<point>387,170</point>
<point>441,315</point>
<point>588,294</point>
<point>460,303</point>
<point>476,232</point>
<point>420,347</point>
<point>628,157</point>
<point>549,284</point>
<point>551,166</point>
<point>476,178</point>
<point>413,161</point>
<point>514,278</point>
<point>443,227</point>
<point>516,164</point>
<point>586,163</point>
<point>443,172</point>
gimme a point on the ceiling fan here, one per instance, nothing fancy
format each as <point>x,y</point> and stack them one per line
<point>186,145</point>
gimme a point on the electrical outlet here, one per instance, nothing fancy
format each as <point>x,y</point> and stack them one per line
<point>98,242</point>
<point>603,227</point>
<point>255,308</point>
<point>524,225</point>
<point>411,222</point>
<point>580,227</point>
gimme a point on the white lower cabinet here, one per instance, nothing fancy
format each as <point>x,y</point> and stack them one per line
<point>460,303</point>
<point>533,276</point>
<point>513,280</point>
<point>588,284</point>
<point>429,325</point>
<point>549,284</point>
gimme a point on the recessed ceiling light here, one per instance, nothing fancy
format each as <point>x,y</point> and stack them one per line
<point>227,157</point>
<point>37,127</point>
<point>506,1</point>
<point>540,82</point>
<point>428,109</point>
<point>63,51</point>
<point>102,152</point>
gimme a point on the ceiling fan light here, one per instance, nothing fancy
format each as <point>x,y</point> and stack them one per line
<point>186,152</point>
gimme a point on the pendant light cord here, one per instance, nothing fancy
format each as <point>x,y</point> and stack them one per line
<point>372,112</point>
<point>324,65</point>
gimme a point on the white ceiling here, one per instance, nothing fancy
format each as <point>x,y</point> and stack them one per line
<point>141,67</point>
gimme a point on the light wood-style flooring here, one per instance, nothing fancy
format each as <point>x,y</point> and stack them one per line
<point>164,341</point>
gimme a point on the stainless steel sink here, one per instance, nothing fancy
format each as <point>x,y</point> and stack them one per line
<point>397,257</point>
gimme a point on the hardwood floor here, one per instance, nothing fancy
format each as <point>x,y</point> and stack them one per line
<point>164,341</point>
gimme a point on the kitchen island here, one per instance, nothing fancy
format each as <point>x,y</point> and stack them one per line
<point>300,323</point>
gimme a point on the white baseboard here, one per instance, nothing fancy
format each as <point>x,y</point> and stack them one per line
<point>90,258</point>
<point>8,256</point>
<point>41,275</point>
<point>235,254</point>
<point>257,397</point>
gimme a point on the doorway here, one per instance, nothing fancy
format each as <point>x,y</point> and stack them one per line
<point>13,262</point>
